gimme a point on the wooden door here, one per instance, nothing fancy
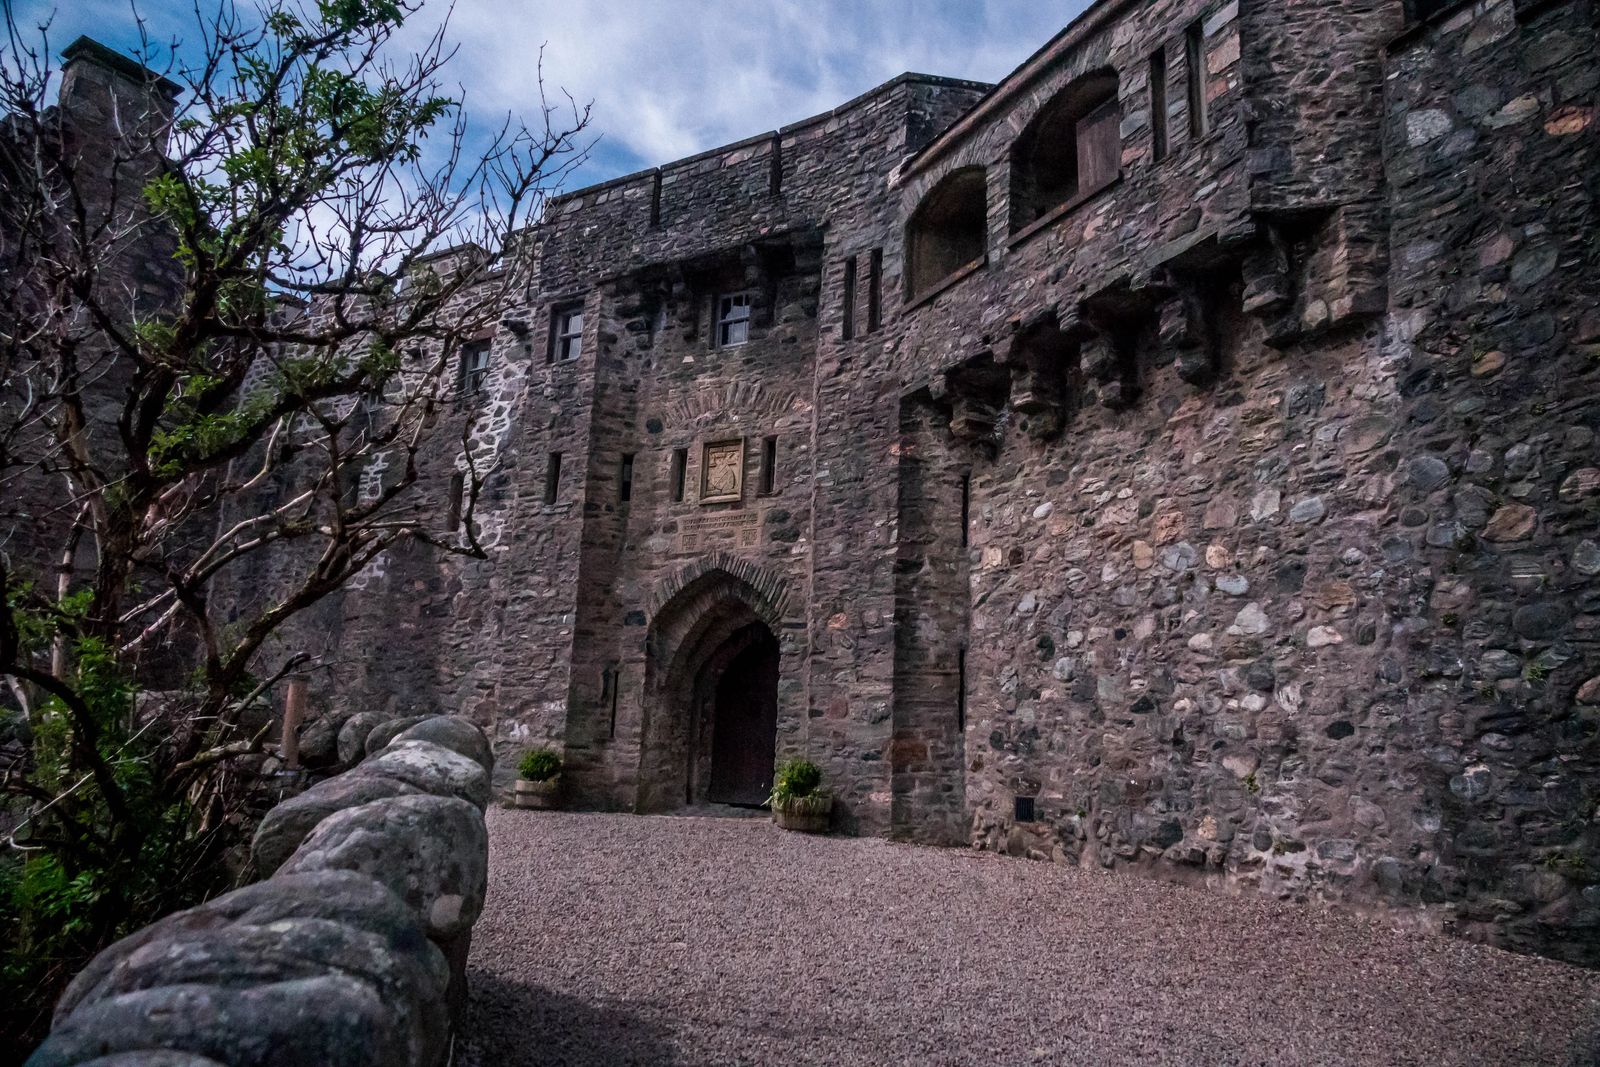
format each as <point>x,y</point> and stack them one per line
<point>745,726</point>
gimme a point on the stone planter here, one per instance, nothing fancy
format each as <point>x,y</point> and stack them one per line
<point>808,815</point>
<point>539,796</point>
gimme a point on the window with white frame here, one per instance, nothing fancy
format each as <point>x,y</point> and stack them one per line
<point>369,409</point>
<point>474,366</point>
<point>566,334</point>
<point>733,319</point>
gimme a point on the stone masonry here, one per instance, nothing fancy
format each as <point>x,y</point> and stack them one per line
<point>1179,456</point>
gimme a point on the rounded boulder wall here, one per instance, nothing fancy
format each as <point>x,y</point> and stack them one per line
<point>411,980</point>
<point>431,851</point>
<point>385,732</point>
<point>353,735</point>
<point>343,898</point>
<point>328,1021</point>
<point>454,733</point>
<point>284,827</point>
<point>430,768</point>
<point>319,742</point>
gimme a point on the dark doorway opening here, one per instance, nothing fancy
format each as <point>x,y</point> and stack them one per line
<point>743,718</point>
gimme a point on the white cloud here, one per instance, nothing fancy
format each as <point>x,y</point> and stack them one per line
<point>669,78</point>
<point>672,77</point>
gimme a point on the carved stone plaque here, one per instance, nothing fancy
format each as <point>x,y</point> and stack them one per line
<point>722,472</point>
<point>726,530</point>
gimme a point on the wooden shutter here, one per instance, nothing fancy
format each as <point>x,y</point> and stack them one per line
<point>1099,148</point>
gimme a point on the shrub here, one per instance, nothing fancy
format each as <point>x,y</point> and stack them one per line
<point>795,780</point>
<point>539,765</point>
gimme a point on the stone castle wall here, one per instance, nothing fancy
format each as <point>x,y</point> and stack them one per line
<point>1233,520</point>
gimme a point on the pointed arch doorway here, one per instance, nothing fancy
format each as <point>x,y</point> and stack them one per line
<point>738,720</point>
<point>711,711</point>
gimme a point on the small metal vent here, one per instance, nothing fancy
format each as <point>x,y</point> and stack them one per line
<point>1024,809</point>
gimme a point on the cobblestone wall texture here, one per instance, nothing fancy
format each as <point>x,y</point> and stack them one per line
<point>1230,516</point>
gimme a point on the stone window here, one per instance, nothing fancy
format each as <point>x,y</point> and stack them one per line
<point>474,367</point>
<point>733,320</point>
<point>1194,50</point>
<point>875,290</point>
<point>961,688</point>
<point>948,231</point>
<point>1071,150</point>
<point>369,410</point>
<point>552,478</point>
<point>452,515</point>
<point>966,510</point>
<point>847,329</point>
<point>680,473</point>
<point>566,334</point>
<point>625,479</point>
<point>1158,104</point>
<point>769,466</point>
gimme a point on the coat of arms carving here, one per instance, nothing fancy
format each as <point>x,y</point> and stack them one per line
<point>722,472</point>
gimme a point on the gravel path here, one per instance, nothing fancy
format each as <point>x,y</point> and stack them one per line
<point>626,940</point>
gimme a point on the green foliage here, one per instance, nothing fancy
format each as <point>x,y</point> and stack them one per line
<point>539,765</point>
<point>1252,785</point>
<point>796,779</point>
<point>293,118</point>
<point>196,439</point>
<point>1568,864</point>
<point>107,876</point>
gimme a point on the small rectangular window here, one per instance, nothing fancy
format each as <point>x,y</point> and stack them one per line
<point>875,290</point>
<point>733,320</point>
<point>966,510</point>
<point>552,479</point>
<point>1158,103</point>
<point>474,367</point>
<point>769,466</point>
<point>625,479</point>
<point>452,516</point>
<point>847,329</point>
<point>614,683</point>
<point>775,178</point>
<point>566,334</point>
<point>1194,49</point>
<point>961,688</point>
<point>1023,809</point>
<point>680,473</point>
<point>369,412</point>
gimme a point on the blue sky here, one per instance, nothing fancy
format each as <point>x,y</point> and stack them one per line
<point>668,77</point>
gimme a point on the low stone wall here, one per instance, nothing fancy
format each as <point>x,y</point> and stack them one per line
<point>350,953</point>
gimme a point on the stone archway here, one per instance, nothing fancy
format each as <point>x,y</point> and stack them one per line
<point>711,693</point>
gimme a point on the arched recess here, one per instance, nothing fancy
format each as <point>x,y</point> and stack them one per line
<point>711,690</point>
<point>1071,150</point>
<point>948,230</point>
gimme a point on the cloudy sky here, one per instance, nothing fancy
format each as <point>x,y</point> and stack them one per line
<point>668,77</point>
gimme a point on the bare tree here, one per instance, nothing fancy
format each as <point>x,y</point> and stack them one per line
<point>257,270</point>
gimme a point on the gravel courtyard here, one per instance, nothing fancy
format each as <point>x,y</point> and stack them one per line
<point>628,940</point>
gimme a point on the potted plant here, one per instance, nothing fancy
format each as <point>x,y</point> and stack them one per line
<point>538,779</point>
<point>798,800</point>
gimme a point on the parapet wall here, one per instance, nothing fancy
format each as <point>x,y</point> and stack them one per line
<point>351,952</point>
